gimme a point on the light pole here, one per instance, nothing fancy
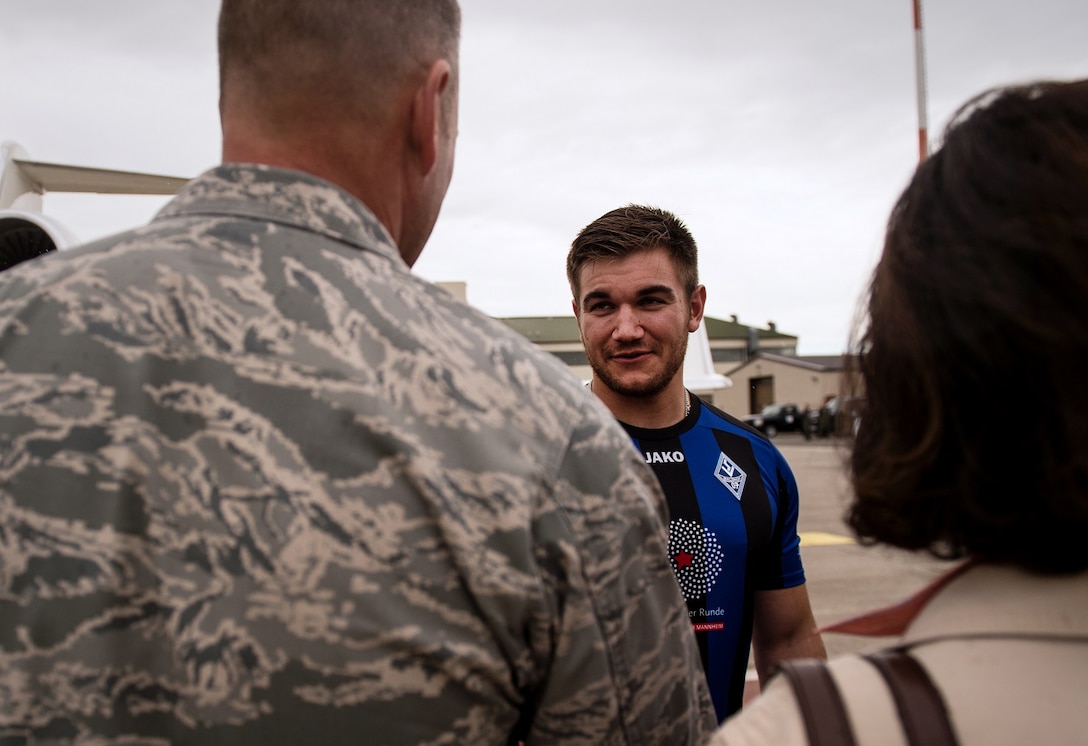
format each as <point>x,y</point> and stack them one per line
<point>920,78</point>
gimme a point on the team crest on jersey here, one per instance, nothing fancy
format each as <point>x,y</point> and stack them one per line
<point>696,557</point>
<point>731,475</point>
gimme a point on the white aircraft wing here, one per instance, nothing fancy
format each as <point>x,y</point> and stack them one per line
<point>24,231</point>
<point>57,177</point>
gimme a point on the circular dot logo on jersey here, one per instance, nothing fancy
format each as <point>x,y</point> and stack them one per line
<point>696,557</point>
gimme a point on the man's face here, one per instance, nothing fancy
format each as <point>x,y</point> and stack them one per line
<point>634,318</point>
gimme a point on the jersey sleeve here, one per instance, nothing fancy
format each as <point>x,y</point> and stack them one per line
<point>622,663</point>
<point>781,566</point>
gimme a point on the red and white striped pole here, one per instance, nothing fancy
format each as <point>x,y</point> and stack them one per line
<point>920,78</point>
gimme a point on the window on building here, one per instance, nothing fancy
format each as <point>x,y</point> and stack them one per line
<point>572,357</point>
<point>727,354</point>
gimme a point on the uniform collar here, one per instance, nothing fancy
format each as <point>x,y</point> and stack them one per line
<point>290,198</point>
<point>975,599</point>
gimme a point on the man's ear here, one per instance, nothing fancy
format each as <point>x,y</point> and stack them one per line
<point>427,114</point>
<point>698,305</point>
<point>576,308</point>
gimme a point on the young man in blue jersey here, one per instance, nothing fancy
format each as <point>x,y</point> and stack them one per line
<point>732,498</point>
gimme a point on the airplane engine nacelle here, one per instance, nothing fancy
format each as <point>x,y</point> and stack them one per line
<point>25,235</point>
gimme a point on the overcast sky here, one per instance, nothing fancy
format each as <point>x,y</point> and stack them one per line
<point>780,132</point>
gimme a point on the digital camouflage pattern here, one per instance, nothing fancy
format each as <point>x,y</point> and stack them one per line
<point>260,484</point>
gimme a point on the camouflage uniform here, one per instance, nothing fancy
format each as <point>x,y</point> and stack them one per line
<point>261,484</point>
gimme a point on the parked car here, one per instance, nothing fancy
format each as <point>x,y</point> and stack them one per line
<point>777,418</point>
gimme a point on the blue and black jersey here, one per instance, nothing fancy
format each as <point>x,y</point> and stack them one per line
<point>732,531</point>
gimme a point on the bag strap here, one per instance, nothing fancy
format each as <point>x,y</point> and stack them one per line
<point>826,721</point>
<point>921,708</point>
<point>920,705</point>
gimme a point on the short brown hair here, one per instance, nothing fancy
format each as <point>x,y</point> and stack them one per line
<point>974,362</point>
<point>627,230</point>
<point>345,52</point>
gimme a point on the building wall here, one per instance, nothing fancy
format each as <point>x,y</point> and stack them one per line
<point>582,371</point>
<point>793,384</point>
<point>458,290</point>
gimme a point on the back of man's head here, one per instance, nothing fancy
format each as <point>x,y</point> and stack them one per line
<point>301,62</point>
<point>361,93</point>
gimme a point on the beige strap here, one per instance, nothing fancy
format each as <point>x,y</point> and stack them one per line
<point>826,721</point>
<point>921,707</point>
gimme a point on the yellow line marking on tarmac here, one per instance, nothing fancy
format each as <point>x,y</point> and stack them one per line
<point>823,539</point>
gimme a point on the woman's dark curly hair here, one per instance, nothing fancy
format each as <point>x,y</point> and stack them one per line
<point>973,362</point>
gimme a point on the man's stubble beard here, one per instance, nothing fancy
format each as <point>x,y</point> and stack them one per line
<point>652,387</point>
